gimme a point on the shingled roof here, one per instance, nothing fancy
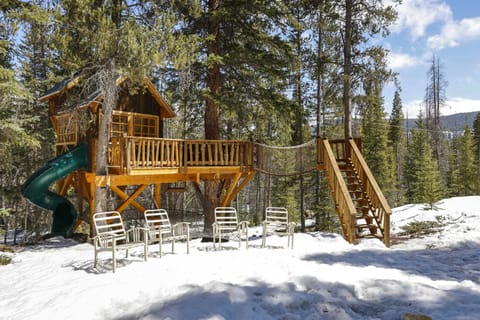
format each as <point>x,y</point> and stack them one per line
<point>70,82</point>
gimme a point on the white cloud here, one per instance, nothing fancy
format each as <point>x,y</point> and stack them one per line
<point>398,61</point>
<point>417,15</point>
<point>455,32</point>
<point>452,106</point>
<point>412,109</point>
<point>460,105</point>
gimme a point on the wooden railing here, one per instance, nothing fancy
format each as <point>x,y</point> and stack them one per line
<point>381,210</point>
<point>129,153</point>
<point>218,153</point>
<point>343,202</point>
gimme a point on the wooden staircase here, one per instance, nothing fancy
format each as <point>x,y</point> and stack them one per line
<point>361,206</point>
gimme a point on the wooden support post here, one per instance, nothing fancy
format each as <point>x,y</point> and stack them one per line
<point>158,195</point>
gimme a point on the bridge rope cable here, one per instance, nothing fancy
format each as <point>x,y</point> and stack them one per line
<point>286,161</point>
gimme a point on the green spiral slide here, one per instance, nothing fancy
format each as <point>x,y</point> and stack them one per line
<point>36,188</point>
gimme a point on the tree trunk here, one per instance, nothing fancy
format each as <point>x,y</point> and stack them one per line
<point>107,83</point>
<point>347,69</point>
<point>211,196</point>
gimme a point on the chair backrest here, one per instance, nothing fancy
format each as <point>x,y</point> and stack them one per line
<point>157,219</point>
<point>276,217</point>
<point>109,222</point>
<point>226,218</point>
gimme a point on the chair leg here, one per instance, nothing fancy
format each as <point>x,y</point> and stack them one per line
<point>220,239</point>
<point>173,245</point>
<point>160,243</point>
<point>145,249</point>
<point>114,260</point>
<point>264,237</point>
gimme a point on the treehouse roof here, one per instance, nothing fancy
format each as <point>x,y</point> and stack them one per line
<point>95,97</point>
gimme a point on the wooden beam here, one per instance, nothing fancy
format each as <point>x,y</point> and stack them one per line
<point>234,191</point>
<point>129,200</point>
<point>62,185</point>
<point>227,199</point>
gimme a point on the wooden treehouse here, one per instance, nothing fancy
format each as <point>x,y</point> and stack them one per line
<point>139,156</point>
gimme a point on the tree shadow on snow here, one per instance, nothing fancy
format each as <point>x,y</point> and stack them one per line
<point>458,263</point>
<point>303,298</point>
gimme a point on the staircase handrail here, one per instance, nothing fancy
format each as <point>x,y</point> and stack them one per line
<point>381,209</point>
<point>344,204</point>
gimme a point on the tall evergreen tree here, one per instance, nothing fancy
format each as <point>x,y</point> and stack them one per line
<point>467,168</point>
<point>375,129</point>
<point>453,174</point>
<point>14,118</point>
<point>421,170</point>
<point>243,71</point>
<point>360,21</point>
<point>476,139</point>
<point>397,141</point>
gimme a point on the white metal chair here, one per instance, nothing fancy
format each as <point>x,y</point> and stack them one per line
<point>276,222</point>
<point>161,230</point>
<point>111,236</point>
<point>227,224</point>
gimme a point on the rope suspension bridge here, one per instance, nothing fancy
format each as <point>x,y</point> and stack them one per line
<point>286,161</point>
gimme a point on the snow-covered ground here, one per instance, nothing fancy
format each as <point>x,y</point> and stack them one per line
<point>323,277</point>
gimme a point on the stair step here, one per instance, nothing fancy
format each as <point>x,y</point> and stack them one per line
<point>366,226</point>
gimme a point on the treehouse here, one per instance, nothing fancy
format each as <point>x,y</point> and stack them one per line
<point>139,156</point>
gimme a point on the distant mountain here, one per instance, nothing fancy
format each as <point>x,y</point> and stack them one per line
<point>453,123</point>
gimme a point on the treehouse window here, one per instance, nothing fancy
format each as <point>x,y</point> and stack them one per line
<point>119,125</point>
<point>134,124</point>
<point>145,127</point>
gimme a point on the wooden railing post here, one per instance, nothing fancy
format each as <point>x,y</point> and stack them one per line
<point>373,191</point>
<point>128,154</point>
<point>344,204</point>
<point>183,163</point>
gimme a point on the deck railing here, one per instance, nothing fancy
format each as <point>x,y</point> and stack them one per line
<point>131,153</point>
<point>381,210</point>
<point>343,202</point>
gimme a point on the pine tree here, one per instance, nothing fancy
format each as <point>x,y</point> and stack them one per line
<point>242,74</point>
<point>422,176</point>
<point>467,168</point>
<point>375,131</point>
<point>360,21</point>
<point>397,141</point>
<point>453,174</point>
<point>476,139</point>
<point>16,140</point>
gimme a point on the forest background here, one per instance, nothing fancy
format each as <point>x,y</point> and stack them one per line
<point>279,73</point>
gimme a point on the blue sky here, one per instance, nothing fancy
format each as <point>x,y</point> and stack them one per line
<point>448,29</point>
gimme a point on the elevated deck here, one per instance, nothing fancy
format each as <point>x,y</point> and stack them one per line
<point>139,161</point>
